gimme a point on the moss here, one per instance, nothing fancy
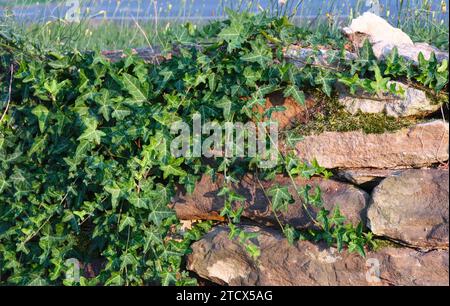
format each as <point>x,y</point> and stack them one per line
<point>384,243</point>
<point>331,116</point>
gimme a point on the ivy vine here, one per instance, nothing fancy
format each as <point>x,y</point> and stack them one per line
<point>85,169</point>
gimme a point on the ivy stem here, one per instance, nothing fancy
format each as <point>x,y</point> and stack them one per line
<point>271,205</point>
<point>9,92</point>
<point>305,207</point>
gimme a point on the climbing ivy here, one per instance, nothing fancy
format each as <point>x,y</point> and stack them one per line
<point>85,169</point>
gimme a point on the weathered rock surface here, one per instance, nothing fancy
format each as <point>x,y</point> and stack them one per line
<point>204,203</point>
<point>414,102</point>
<point>367,175</point>
<point>418,146</point>
<point>294,112</point>
<point>384,38</point>
<point>412,207</point>
<point>300,56</point>
<point>224,261</point>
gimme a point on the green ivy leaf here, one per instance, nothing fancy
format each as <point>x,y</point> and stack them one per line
<point>41,112</point>
<point>115,192</point>
<point>134,88</point>
<point>91,134</point>
<point>115,279</point>
<point>290,233</point>
<point>127,221</point>
<point>234,35</point>
<point>173,168</point>
<point>281,198</point>
<point>260,53</point>
<point>293,92</point>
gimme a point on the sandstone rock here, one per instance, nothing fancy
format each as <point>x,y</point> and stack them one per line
<point>224,261</point>
<point>365,175</point>
<point>418,146</point>
<point>205,204</point>
<point>414,102</point>
<point>294,113</point>
<point>412,207</point>
<point>384,38</point>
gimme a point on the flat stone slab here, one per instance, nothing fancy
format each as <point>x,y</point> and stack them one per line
<point>420,145</point>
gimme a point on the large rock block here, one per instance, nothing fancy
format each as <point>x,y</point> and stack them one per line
<point>412,207</point>
<point>204,203</point>
<point>225,261</point>
<point>418,146</point>
<point>294,112</point>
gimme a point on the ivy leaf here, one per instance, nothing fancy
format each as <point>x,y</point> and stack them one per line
<point>290,233</point>
<point>380,83</point>
<point>115,192</point>
<point>251,76</point>
<point>226,105</point>
<point>91,134</point>
<point>38,145</point>
<point>355,246</point>
<point>53,87</point>
<point>337,218</point>
<point>168,278</point>
<point>280,198</point>
<point>41,112</point>
<point>103,100</point>
<point>152,238</point>
<point>182,36</point>
<point>3,184</point>
<point>138,201</point>
<point>120,112</point>
<point>233,35</point>
<point>173,168</point>
<point>159,214</point>
<point>295,93</point>
<point>269,112</point>
<point>127,221</point>
<point>339,235</point>
<point>134,89</point>
<point>253,250</point>
<point>115,279</point>
<point>260,53</point>
<point>212,81</point>
<point>326,80</point>
<point>292,139</point>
